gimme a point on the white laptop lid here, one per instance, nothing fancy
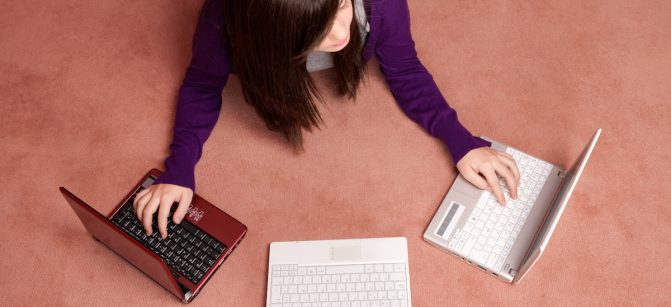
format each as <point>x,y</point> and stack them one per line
<point>548,227</point>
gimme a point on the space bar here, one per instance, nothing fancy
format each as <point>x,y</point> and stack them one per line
<point>344,269</point>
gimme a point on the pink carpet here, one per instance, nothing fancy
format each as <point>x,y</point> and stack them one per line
<point>88,98</point>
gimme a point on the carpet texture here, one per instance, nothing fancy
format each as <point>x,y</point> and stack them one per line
<point>88,99</point>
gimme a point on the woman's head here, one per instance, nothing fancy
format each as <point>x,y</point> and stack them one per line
<point>270,42</point>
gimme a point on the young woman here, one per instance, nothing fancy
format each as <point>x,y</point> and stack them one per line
<point>272,45</point>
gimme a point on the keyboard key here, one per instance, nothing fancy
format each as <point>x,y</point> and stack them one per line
<point>478,255</point>
<point>342,269</point>
<point>189,247</point>
<point>342,296</point>
<point>275,296</point>
<point>218,247</point>
<point>192,269</point>
<point>396,276</point>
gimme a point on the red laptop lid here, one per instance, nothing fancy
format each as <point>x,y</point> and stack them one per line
<point>124,245</point>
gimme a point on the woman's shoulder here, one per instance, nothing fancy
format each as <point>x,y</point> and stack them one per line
<point>386,8</point>
<point>213,13</point>
<point>384,3</point>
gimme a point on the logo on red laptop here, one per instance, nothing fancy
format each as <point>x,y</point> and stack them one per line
<point>195,214</point>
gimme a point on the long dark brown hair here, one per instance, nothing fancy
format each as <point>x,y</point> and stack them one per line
<point>270,43</point>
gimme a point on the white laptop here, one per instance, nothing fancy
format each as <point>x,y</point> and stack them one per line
<point>506,241</point>
<point>343,273</point>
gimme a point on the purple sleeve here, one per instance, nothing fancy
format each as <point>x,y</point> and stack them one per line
<point>199,99</point>
<point>413,86</point>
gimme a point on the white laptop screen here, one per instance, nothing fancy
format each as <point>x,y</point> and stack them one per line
<point>556,210</point>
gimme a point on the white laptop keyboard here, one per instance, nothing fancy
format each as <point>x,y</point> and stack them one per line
<point>491,229</point>
<point>360,285</point>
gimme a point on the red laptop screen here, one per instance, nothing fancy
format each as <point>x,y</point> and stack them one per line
<point>139,256</point>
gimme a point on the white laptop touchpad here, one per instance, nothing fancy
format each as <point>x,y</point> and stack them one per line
<point>346,253</point>
<point>466,188</point>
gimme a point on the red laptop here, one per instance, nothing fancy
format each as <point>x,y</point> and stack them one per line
<point>184,261</point>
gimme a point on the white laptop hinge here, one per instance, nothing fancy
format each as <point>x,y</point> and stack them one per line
<point>562,174</point>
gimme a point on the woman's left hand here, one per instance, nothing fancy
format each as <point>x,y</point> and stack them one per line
<point>482,166</point>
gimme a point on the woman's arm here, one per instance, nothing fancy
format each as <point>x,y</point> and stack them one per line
<point>198,109</point>
<point>419,97</point>
<point>199,97</point>
<point>413,86</point>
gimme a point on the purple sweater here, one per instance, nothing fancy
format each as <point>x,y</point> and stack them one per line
<point>389,39</point>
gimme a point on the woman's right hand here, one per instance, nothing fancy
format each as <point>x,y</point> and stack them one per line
<point>161,197</point>
<point>482,167</point>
